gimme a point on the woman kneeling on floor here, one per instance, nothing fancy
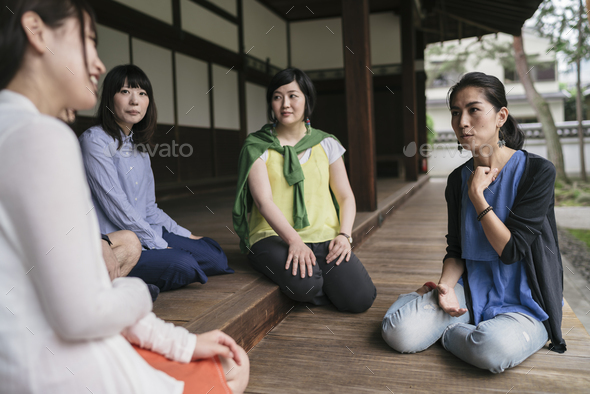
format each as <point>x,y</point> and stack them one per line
<point>499,298</point>
<point>296,178</point>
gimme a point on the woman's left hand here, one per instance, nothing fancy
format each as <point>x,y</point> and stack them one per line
<point>194,237</point>
<point>216,343</point>
<point>339,248</point>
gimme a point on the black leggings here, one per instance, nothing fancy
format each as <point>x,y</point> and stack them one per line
<point>348,286</point>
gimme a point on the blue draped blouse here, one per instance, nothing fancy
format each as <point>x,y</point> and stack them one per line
<point>495,287</point>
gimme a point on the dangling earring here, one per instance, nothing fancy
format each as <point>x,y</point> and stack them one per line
<point>274,128</point>
<point>501,142</point>
<point>308,126</point>
<point>459,146</point>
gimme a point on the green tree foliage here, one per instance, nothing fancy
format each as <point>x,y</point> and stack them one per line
<point>558,21</point>
<point>564,23</point>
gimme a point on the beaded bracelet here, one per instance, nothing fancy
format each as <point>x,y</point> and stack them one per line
<point>483,213</point>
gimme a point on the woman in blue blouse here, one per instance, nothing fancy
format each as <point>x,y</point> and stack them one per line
<point>122,184</point>
<point>499,297</point>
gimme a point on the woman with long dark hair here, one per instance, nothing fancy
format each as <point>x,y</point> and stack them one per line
<point>499,297</point>
<point>115,154</point>
<point>293,183</point>
<point>66,328</point>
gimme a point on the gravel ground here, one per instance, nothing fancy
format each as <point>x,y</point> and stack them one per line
<point>575,251</point>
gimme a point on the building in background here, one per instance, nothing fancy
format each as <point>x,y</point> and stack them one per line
<point>210,61</point>
<point>447,62</point>
<point>544,75</point>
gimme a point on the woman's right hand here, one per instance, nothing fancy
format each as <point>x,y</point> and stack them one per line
<point>447,300</point>
<point>301,256</point>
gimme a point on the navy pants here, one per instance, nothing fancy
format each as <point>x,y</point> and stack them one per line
<point>189,260</point>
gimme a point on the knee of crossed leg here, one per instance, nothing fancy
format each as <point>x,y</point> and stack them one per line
<point>181,270</point>
<point>492,352</point>
<point>131,244</point>
<point>400,334</point>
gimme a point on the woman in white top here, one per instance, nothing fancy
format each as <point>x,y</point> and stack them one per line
<point>65,328</point>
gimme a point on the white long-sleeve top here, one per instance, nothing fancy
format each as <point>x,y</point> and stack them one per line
<point>64,327</point>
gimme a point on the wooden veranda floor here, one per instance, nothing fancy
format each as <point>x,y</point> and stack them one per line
<point>245,304</point>
<point>318,350</point>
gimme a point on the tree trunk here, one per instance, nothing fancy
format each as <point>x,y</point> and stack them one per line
<point>579,115</point>
<point>541,109</point>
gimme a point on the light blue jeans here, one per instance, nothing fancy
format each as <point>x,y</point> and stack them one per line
<point>413,323</point>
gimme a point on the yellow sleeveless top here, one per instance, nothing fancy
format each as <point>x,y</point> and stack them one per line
<point>323,219</point>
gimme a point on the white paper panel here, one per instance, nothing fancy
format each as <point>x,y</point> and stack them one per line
<point>230,6</point>
<point>192,84</point>
<point>113,50</point>
<point>226,105</point>
<point>314,47</point>
<point>208,25</point>
<point>386,47</point>
<point>156,62</point>
<point>265,34</point>
<point>255,106</point>
<point>160,9</point>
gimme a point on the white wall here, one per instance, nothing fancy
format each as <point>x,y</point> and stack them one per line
<point>385,34</point>
<point>208,25</point>
<point>314,47</point>
<point>156,62</point>
<point>192,84</point>
<point>441,115</point>
<point>160,9</point>
<point>571,153</point>
<point>255,106</point>
<point>113,50</point>
<point>445,157</point>
<point>265,34</point>
<point>226,105</point>
<point>523,109</point>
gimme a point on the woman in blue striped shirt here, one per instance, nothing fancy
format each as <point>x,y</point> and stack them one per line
<point>122,184</point>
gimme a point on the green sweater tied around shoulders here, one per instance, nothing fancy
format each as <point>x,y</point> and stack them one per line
<point>254,146</point>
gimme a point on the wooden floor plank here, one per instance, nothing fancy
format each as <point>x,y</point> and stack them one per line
<point>319,350</point>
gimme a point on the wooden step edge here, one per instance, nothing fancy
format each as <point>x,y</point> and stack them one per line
<point>362,230</point>
<point>247,315</point>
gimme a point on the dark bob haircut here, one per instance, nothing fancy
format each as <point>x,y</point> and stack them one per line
<point>495,94</point>
<point>13,40</point>
<point>285,77</point>
<point>143,132</point>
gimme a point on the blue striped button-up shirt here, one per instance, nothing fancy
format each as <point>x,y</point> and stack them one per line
<point>123,189</point>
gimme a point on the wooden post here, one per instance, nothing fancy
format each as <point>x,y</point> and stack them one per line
<point>359,103</point>
<point>243,133</point>
<point>409,89</point>
<point>423,132</point>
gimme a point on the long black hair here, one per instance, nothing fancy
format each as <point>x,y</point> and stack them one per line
<point>143,132</point>
<point>13,39</point>
<point>495,93</point>
<point>285,77</point>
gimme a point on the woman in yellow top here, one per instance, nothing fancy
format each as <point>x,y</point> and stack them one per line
<point>289,176</point>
